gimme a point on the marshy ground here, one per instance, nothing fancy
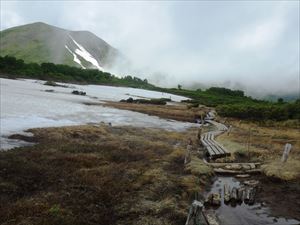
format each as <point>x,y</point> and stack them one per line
<point>98,174</point>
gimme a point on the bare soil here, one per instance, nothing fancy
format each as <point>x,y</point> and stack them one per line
<point>283,198</point>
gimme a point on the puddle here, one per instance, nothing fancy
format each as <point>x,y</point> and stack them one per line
<point>243,214</point>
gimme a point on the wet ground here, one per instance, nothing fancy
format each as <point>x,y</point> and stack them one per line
<point>242,214</point>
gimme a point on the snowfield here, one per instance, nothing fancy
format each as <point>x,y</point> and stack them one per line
<point>81,51</point>
<point>25,104</point>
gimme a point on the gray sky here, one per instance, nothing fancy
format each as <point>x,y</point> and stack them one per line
<point>249,44</point>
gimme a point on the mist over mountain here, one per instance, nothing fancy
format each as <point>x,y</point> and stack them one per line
<point>40,42</point>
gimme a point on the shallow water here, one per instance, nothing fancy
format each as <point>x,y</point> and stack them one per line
<point>25,104</point>
<point>244,214</point>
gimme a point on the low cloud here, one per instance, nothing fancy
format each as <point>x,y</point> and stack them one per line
<point>253,45</point>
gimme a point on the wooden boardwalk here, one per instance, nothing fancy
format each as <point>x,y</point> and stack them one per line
<point>214,149</point>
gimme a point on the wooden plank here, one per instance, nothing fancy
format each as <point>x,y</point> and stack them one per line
<point>223,171</point>
<point>218,165</point>
<point>216,150</point>
<point>209,148</point>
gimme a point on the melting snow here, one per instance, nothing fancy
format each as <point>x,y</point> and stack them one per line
<point>75,57</point>
<point>25,104</point>
<point>86,55</point>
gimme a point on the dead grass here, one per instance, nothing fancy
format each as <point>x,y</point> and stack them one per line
<point>266,145</point>
<point>197,167</point>
<point>180,112</point>
<point>99,175</point>
<point>288,171</point>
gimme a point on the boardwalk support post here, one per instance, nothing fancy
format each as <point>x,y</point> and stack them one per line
<point>195,216</point>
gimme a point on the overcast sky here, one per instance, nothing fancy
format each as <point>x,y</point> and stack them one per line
<point>250,44</point>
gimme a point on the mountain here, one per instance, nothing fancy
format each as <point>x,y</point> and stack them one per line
<point>40,42</point>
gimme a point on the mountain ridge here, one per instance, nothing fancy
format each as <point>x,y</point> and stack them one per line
<point>40,42</point>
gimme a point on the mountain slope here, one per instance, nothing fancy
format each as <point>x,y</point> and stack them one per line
<point>40,42</point>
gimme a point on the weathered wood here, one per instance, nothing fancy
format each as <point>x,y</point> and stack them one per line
<point>216,201</point>
<point>187,158</point>
<point>233,194</point>
<point>209,199</point>
<point>195,216</point>
<point>286,152</point>
<point>252,183</point>
<point>247,195</point>
<point>226,193</point>
<point>199,133</point>
<point>240,194</point>
<point>223,171</point>
<point>214,149</point>
<point>252,196</point>
<point>210,217</point>
<point>218,165</point>
<point>242,175</point>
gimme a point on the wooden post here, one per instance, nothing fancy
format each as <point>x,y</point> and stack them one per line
<point>226,193</point>
<point>247,194</point>
<point>233,195</point>
<point>286,152</point>
<point>199,133</point>
<point>248,147</point>
<point>187,157</point>
<point>252,196</point>
<point>240,194</point>
<point>195,216</point>
<point>229,130</point>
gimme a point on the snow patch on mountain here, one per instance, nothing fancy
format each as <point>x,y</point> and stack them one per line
<point>75,57</point>
<point>86,55</point>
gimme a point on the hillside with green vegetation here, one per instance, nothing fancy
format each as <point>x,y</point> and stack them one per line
<point>11,67</point>
<point>228,103</point>
<point>40,42</point>
<point>234,103</point>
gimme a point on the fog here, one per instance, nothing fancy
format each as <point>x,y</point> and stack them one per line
<point>249,45</point>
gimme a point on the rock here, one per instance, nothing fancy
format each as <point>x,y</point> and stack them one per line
<point>75,92</point>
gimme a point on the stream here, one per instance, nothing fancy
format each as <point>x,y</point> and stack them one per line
<point>243,214</point>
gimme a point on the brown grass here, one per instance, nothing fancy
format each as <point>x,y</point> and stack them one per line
<point>266,145</point>
<point>98,175</point>
<point>180,112</point>
<point>288,171</point>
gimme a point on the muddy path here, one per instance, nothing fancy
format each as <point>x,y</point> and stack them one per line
<point>276,202</point>
<point>234,213</point>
